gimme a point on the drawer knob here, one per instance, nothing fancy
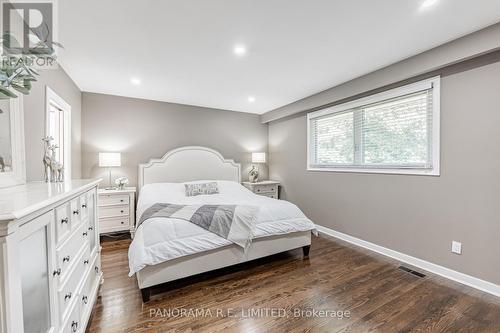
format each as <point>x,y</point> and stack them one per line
<point>64,220</point>
<point>76,212</point>
<point>121,211</point>
<point>121,200</point>
<point>85,262</point>
<point>67,296</point>
<point>84,234</point>
<point>74,326</point>
<point>56,272</point>
<point>85,299</point>
<point>84,206</point>
<point>122,222</point>
<point>66,259</point>
<point>91,228</point>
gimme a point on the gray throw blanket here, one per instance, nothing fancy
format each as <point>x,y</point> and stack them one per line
<point>232,222</point>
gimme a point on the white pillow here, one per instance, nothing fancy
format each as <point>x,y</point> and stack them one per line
<point>193,189</point>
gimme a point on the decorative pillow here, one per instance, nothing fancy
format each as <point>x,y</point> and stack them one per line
<point>201,188</point>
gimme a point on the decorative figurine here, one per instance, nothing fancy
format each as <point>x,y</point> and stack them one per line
<point>51,165</point>
<point>47,157</point>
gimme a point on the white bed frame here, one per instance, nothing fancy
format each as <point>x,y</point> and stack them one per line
<point>201,163</point>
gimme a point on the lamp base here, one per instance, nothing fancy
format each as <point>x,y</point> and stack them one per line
<point>110,187</point>
<point>253,175</point>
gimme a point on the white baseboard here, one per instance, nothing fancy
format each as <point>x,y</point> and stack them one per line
<point>468,280</point>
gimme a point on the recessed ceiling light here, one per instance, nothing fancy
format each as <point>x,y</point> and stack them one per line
<point>135,81</point>
<point>251,99</point>
<point>240,50</point>
<point>428,3</point>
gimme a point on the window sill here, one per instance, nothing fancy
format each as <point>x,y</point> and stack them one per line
<point>418,172</point>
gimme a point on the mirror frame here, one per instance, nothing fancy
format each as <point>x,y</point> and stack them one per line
<point>18,174</point>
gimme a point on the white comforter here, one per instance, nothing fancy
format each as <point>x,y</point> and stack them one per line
<point>161,239</point>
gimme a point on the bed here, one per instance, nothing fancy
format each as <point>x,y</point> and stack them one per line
<point>167,249</point>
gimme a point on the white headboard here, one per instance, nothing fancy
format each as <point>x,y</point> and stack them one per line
<point>186,164</point>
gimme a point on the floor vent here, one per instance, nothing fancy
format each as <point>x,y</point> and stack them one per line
<point>411,271</point>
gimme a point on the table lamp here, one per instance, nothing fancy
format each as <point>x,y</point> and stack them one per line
<point>110,160</point>
<point>253,175</point>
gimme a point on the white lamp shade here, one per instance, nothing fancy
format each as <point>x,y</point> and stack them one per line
<point>110,159</point>
<point>258,157</point>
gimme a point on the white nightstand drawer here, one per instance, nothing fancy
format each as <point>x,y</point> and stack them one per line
<point>113,211</point>
<point>115,223</point>
<point>113,199</point>
<point>266,189</point>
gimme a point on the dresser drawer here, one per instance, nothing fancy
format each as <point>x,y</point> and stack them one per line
<point>266,189</point>
<point>63,226</point>
<point>84,207</point>
<point>115,199</point>
<point>68,292</point>
<point>75,211</point>
<point>269,195</point>
<point>68,251</point>
<point>85,259</point>
<point>88,287</point>
<point>86,233</point>
<point>96,270</point>
<point>113,211</point>
<point>73,324</point>
<point>115,223</point>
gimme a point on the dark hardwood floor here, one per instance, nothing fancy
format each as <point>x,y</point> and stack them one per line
<point>358,290</point>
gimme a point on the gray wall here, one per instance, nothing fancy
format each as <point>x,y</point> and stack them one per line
<point>416,215</point>
<point>470,46</point>
<point>34,121</point>
<point>143,129</point>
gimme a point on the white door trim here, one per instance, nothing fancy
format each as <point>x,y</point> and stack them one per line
<point>52,97</point>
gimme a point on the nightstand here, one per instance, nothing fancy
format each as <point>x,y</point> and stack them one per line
<point>117,210</point>
<point>267,188</point>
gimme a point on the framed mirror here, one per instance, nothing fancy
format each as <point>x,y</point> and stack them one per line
<point>12,158</point>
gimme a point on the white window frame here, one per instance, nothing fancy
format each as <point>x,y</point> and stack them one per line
<point>434,83</point>
<point>51,97</point>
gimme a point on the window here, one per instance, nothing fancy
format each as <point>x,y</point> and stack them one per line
<point>396,131</point>
<point>58,126</point>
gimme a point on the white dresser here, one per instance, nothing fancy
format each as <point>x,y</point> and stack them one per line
<point>50,256</point>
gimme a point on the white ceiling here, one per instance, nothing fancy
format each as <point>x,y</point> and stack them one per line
<point>182,50</point>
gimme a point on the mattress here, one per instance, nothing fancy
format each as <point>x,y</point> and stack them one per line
<point>158,240</point>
